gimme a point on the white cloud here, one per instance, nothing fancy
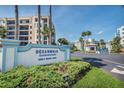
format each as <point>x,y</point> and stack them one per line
<point>99,33</point>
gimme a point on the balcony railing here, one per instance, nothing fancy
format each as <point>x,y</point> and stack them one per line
<point>24,35</point>
<point>10,23</point>
<point>24,29</point>
<point>10,34</point>
<point>23,40</point>
<point>10,29</point>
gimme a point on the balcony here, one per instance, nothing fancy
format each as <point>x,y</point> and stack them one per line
<point>11,22</point>
<point>23,35</point>
<point>24,28</point>
<point>23,39</point>
<point>24,22</point>
<point>10,37</point>
<point>11,28</point>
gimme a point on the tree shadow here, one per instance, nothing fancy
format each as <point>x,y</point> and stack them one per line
<point>94,61</point>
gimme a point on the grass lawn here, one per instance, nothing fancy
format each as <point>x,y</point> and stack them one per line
<point>97,78</point>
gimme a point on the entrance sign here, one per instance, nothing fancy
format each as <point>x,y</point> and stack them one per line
<point>13,55</point>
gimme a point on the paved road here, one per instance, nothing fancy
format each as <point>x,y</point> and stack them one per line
<point>112,63</point>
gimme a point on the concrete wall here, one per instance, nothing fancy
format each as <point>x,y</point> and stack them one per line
<point>30,57</point>
<point>0,59</point>
<point>32,54</point>
<point>9,58</point>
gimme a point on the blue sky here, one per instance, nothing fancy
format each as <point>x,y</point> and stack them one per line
<point>70,21</point>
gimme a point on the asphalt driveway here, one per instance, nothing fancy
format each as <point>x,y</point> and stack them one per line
<point>112,63</point>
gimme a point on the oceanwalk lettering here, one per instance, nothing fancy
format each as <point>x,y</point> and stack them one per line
<point>47,54</point>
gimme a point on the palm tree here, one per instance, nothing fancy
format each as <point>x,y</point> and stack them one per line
<point>83,34</point>
<point>63,41</point>
<point>17,23</point>
<point>45,31</point>
<point>2,32</point>
<point>39,25</point>
<point>88,33</point>
<point>82,43</point>
<point>50,25</point>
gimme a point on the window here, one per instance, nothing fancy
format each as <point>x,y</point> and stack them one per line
<point>24,27</point>
<point>45,42</point>
<point>23,33</point>
<point>30,37</point>
<point>10,37</point>
<point>27,21</point>
<point>23,38</point>
<point>23,43</point>
<point>11,28</point>
<point>9,22</point>
<point>45,37</point>
<point>30,32</point>
<point>10,33</point>
<point>45,20</point>
<point>92,48</point>
<point>30,27</point>
<point>36,19</point>
<point>24,21</point>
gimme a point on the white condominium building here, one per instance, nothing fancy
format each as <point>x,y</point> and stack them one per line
<point>120,32</point>
<point>28,29</point>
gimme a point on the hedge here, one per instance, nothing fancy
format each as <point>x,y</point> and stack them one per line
<point>57,75</point>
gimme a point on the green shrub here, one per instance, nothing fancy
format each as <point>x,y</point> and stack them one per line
<point>75,59</point>
<point>62,74</point>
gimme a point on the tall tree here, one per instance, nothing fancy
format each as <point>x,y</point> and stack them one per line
<point>17,22</point>
<point>82,43</point>
<point>50,25</point>
<point>84,34</point>
<point>39,24</point>
<point>63,41</point>
<point>116,44</point>
<point>2,32</point>
<point>102,43</point>
<point>45,31</point>
<point>88,33</point>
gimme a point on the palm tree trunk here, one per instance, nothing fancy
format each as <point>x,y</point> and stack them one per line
<point>50,25</point>
<point>17,23</point>
<point>39,25</point>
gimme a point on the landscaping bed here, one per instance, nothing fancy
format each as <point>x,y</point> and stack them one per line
<point>62,74</point>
